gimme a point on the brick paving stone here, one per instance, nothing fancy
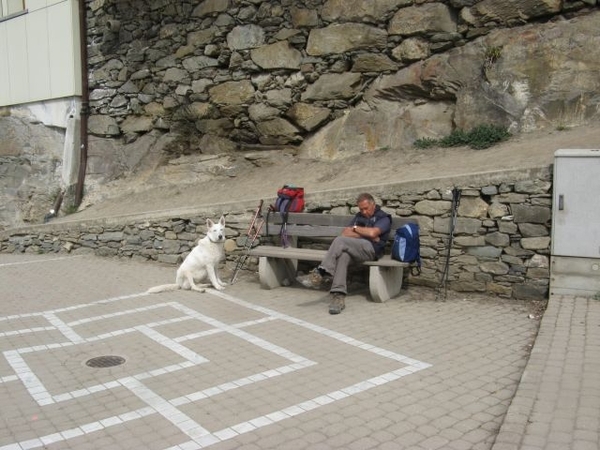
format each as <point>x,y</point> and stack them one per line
<point>584,445</point>
<point>435,442</point>
<point>534,441</point>
<point>587,423</point>
<point>364,443</point>
<point>382,436</point>
<point>475,436</point>
<point>411,438</point>
<point>460,445</point>
<point>584,435</point>
<point>389,446</point>
<point>400,428</point>
<point>451,434</point>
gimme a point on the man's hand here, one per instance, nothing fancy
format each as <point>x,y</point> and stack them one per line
<point>350,232</point>
<point>370,233</point>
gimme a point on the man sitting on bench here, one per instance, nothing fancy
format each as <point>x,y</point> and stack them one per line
<point>362,240</point>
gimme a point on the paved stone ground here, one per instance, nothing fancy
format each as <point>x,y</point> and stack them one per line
<point>247,368</point>
<point>557,404</point>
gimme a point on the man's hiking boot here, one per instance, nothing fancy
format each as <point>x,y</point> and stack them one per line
<point>338,303</point>
<point>313,279</point>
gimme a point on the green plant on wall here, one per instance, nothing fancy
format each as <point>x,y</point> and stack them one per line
<point>480,137</point>
<point>491,56</point>
<point>70,209</point>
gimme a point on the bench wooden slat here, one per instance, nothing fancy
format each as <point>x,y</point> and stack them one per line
<point>308,230</point>
<point>311,219</point>
<point>304,254</point>
<point>319,225</point>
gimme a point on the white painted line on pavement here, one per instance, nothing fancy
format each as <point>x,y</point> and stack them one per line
<point>37,261</point>
<point>175,347</point>
<point>31,382</point>
<point>169,409</point>
<point>66,330</point>
<point>185,423</point>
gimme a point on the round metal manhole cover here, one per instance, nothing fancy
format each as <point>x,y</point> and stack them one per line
<point>105,361</point>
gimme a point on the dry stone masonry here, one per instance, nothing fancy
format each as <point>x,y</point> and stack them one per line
<point>501,238</point>
<point>236,74</point>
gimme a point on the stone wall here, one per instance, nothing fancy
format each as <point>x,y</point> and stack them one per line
<point>501,239</point>
<point>225,75</point>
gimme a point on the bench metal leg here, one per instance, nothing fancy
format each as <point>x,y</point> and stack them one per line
<point>276,272</point>
<point>385,282</point>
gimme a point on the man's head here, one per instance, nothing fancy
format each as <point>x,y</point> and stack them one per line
<point>366,204</point>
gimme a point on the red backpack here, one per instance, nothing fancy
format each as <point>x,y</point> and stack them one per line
<point>289,199</point>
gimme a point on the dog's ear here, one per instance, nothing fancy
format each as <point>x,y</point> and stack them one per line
<point>209,223</point>
<point>222,220</point>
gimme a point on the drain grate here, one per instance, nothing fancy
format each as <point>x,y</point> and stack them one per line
<point>105,361</point>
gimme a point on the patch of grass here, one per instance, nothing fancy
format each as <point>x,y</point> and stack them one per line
<point>426,143</point>
<point>492,54</point>
<point>596,296</point>
<point>70,209</point>
<point>455,139</point>
<point>485,136</point>
<point>480,137</point>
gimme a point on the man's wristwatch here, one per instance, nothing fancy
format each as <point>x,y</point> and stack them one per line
<point>354,228</point>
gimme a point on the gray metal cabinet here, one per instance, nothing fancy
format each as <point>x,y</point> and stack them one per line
<point>575,261</point>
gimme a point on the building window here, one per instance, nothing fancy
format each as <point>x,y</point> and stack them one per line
<point>11,7</point>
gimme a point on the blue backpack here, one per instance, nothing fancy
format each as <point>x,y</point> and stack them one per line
<point>406,246</point>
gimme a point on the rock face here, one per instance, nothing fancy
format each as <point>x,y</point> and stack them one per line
<point>376,74</point>
<point>334,78</point>
<point>31,153</point>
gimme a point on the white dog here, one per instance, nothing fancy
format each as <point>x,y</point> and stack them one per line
<point>201,263</point>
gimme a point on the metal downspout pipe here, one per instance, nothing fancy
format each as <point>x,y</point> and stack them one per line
<point>84,113</point>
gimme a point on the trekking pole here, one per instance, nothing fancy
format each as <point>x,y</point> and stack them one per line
<point>251,235</point>
<point>454,209</point>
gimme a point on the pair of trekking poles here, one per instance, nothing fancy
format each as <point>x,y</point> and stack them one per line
<point>254,231</point>
<point>443,286</point>
<point>251,237</point>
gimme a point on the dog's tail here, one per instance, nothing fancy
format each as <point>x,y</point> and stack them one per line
<point>163,288</point>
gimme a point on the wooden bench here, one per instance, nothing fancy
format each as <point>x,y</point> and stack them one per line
<point>277,266</point>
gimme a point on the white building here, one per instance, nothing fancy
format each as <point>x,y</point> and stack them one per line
<point>41,71</point>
